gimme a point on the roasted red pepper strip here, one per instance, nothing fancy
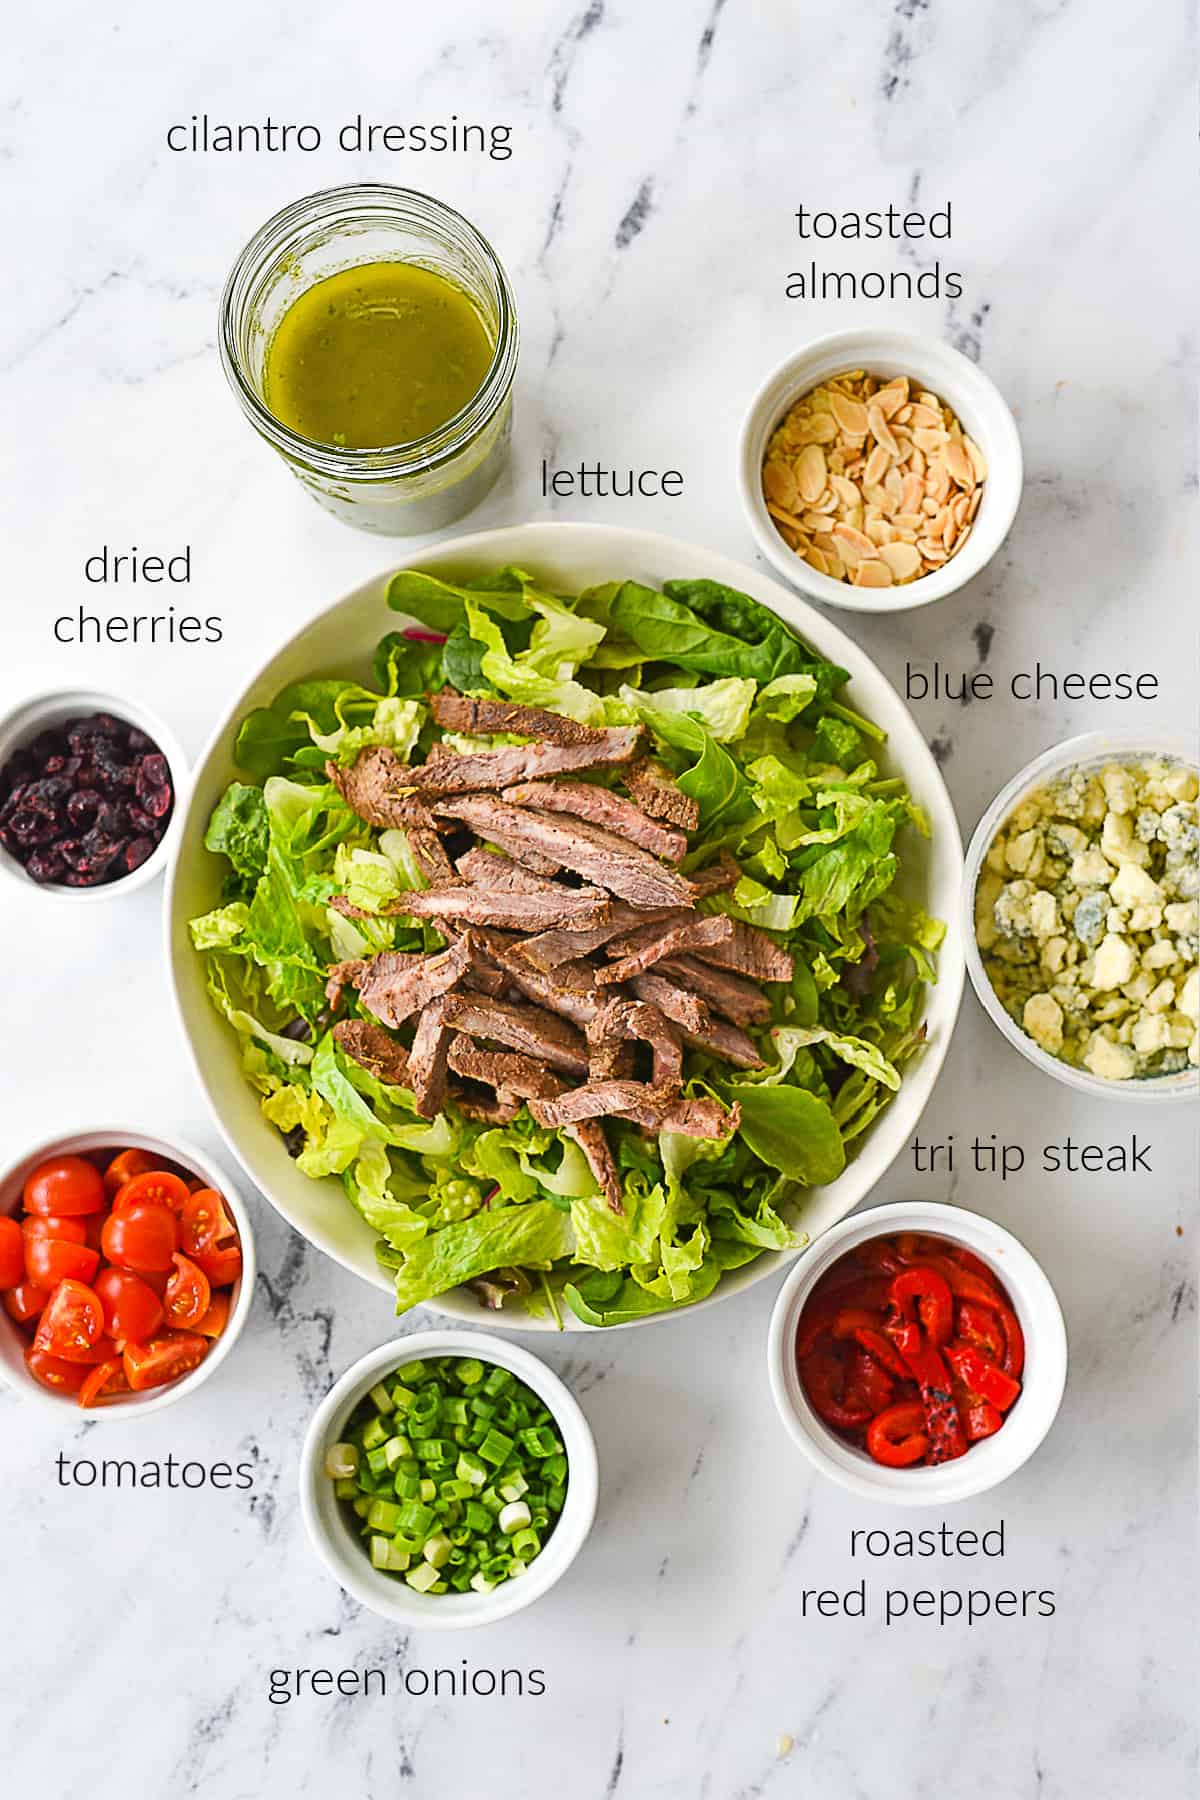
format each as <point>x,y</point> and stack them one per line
<point>962,1283</point>
<point>864,1328</point>
<point>866,1295</point>
<point>1014,1342</point>
<point>922,1292</point>
<point>824,1377</point>
<point>973,1264</point>
<point>867,1384</point>
<point>982,1377</point>
<point>897,1436</point>
<point>981,1420</point>
<point>982,1327</point>
<point>944,1427</point>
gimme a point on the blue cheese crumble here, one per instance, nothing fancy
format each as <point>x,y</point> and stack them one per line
<point>1086,916</point>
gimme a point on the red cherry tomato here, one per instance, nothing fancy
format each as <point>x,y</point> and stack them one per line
<point>67,1231</point>
<point>153,1186</point>
<point>188,1294</point>
<point>144,1237</point>
<point>54,1372</point>
<point>12,1254</point>
<point>205,1224</point>
<point>132,1310</point>
<point>72,1322</point>
<point>216,1318</point>
<point>50,1260</point>
<point>104,1383</point>
<point>163,1359</point>
<point>67,1186</point>
<point>125,1166</point>
<point>24,1302</point>
<point>223,1266</point>
<point>896,1437</point>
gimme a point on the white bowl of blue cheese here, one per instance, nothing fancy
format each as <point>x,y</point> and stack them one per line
<point>1082,894</point>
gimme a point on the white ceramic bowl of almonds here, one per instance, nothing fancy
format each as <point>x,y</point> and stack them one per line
<point>903,482</point>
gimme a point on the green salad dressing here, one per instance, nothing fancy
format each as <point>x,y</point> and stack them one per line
<point>375,355</point>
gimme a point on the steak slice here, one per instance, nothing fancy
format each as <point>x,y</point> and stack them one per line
<point>427,1059</point>
<point>570,989</point>
<point>725,992</point>
<point>675,1003</point>
<point>487,718</point>
<point>511,911</point>
<point>529,1029</point>
<point>727,1042</point>
<point>599,856</point>
<point>489,1109</point>
<point>620,1020</point>
<point>550,948</point>
<point>750,952</point>
<point>634,1100</point>
<point>508,1072</point>
<point>489,869</point>
<point>394,985</point>
<point>468,773</point>
<point>654,788</point>
<point>429,853</point>
<point>373,788</point>
<point>371,1046</point>
<point>602,807</point>
<point>715,877</point>
<point>589,1135</point>
<point>650,943</point>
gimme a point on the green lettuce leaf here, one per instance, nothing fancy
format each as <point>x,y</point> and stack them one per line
<point>532,1236</point>
<point>793,1131</point>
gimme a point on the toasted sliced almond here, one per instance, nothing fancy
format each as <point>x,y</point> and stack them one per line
<point>909,521</point>
<point>784,516</point>
<point>924,416</point>
<point>929,438</point>
<point>978,460</point>
<point>973,508</point>
<point>820,428</point>
<point>959,464</point>
<point>845,490</point>
<point>851,415</point>
<point>912,494</point>
<point>878,464</point>
<point>881,431</point>
<point>873,574</point>
<point>814,521</point>
<point>816,561</point>
<point>779,484</point>
<point>810,473</point>
<point>852,542</point>
<point>904,560</point>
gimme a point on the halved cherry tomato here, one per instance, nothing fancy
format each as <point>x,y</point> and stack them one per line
<point>104,1383</point>
<point>71,1322</point>
<point>54,1372</point>
<point>143,1237</point>
<point>921,1292</point>
<point>154,1186</point>
<point>222,1266</point>
<point>824,1377</point>
<point>163,1359</point>
<point>156,1279</point>
<point>897,1436</point>
<point>981,1376</point>
<point>125,1166</point>
<point>132,1310</point>
<point>66,1186</point>
<point>188,1294</point>
<point>980,1326</point>
<point>67,1231</point>
<point>50,1260</point>
<point>12,1254</point>
<point>216,1318</point>
<point>24,1302</point>
<point>205,1224</point>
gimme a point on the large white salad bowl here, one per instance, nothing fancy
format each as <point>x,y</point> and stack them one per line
<point>341,641</point>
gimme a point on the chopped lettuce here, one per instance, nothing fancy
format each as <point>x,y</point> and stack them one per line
<point>752,724</point>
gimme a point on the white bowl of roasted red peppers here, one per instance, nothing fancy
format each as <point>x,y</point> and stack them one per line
<point>917,1354</point>
<point>89,794</point>
<point>126,1271</point>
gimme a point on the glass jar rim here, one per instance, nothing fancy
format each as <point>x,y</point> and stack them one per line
<point>384,462</point>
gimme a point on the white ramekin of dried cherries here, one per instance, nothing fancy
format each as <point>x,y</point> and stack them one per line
<point>917,1354</point>
<point>126,1270</point>
<point>90,799</point>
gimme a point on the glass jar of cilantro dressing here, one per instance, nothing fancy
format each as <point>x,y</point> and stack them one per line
<point>371,312</point>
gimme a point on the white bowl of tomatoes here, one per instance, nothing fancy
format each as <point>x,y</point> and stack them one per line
<point>126,1270</point>
<point>917,1354</point>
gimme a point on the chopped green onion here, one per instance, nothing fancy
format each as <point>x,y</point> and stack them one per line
<point>341,1461</point>
<point>383,1399</point>
<point>514,1517</point>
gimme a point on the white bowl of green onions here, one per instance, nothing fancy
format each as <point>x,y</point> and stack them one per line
<point>448,1479</point>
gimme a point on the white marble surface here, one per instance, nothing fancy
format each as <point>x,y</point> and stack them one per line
<point>645,218</point>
